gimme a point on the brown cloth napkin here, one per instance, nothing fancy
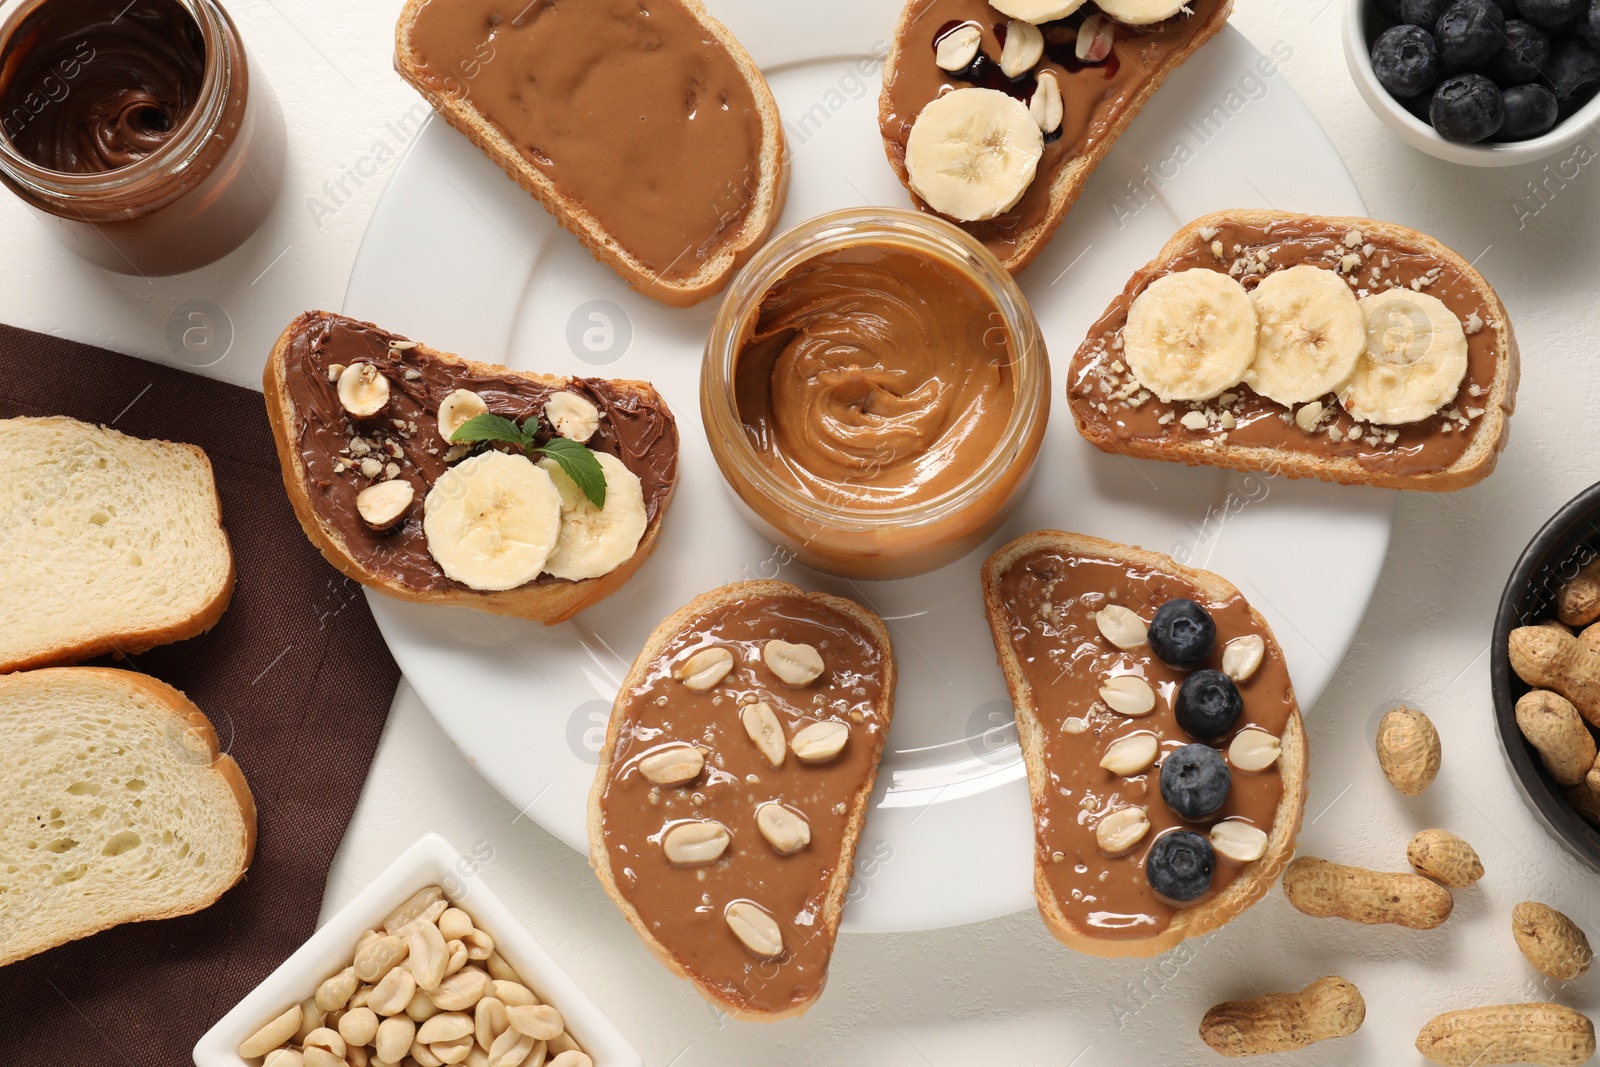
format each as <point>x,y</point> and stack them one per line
<point>297,682</point>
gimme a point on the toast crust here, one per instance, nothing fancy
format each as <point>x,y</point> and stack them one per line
<point>549,603</point>
<point>1252,884</point>
<point>1067,184</point>
<point>1492,431</point>
<point>767,199</point>
<point>839,885</point>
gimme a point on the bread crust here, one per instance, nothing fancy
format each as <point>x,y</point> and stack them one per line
<point>714,273</point>
<point>196,725</point>
<point>549,603</point>
<point>1068,182</point>
<point>600,859</point>
<point>1252,884</point>
<point>1477,463</point>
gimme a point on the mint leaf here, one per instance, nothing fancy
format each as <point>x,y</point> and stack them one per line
<point>487,427</point>
<point>579,464</point>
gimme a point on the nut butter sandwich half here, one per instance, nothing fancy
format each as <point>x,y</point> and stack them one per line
<point>440,480</point>
<point>1341,349</point>
<point>995,112</point>
<point>643,126</point>
<point>1165,752</point>
<point>733,788</point>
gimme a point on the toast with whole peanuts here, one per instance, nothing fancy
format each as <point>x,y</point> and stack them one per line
<point>733,787</point>
<point>1341,349</point>
<point>440,480</point>
<point>1165,752</point>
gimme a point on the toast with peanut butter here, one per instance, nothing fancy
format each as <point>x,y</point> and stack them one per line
<point>643,126</point>
<point>1165,752</point>
<point>440,480</point>
<point>1341,349</point>
<point>733,787</point>
<point>995,114</point>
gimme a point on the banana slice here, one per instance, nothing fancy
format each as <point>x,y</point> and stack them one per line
<point>1037,11</point>
<point>1414,363</point>
<point>492,521</point>
<point>1141,12</point>
<point>1190,335</point>
<point>1312,332</point>
<point>596,541</point>
<point>972,153</point>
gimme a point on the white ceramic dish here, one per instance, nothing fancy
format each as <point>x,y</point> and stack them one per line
<point>430,861</point>
<point>461,258</point>
<point>1418,134</point>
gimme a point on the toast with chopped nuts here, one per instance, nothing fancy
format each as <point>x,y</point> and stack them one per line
<point>1240,429</point>
<point>330,456</point>
<point>1054,736</point>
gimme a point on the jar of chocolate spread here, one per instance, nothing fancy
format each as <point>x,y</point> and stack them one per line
<point>138,130</point>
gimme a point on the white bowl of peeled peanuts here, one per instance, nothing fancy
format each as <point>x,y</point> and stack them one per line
<point>425,966</point>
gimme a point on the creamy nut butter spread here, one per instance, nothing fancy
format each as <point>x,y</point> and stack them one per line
<point>875,376</point>
<point>727,858</point>
<point>627,105</point>
<point>1051,599</point>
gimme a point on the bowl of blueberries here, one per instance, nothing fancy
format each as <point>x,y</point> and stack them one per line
<point>1484,82</point>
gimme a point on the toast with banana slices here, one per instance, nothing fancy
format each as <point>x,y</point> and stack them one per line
<point>1342,349</point>
<point>440,480</point>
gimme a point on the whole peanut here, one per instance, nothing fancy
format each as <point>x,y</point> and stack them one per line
<point>1589,637</point>
<point>1548,658</point>
<point>1331,890</point>
<point>1546,1034</point>
<point>1444,857</point>
<point>1281,1022</point>
<point>1553,727</point>
<point>1408,750</point>
<point>1586,799</point>
<point>1551,941</point>
<point>1578,599</point>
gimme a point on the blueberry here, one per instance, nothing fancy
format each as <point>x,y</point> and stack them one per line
<point>1469,33</point>
<point>1530,111</point>
<point>1523,58</point>
<point>1390,9</point>
<point>1195,781</point>
<point>1208,705</point>
<point>1550,13</point>
<point>1508,8</point>
<point>1182,633</point>
<point>1467,109</point>
<point>1574,72</point>
<point>1590,27</point>
<point>1406,60</point>
<point>1180,865</point>
<point>1424,13</point>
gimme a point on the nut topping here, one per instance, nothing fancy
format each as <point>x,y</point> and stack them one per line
<point>457,409</point>
<point>1129,694</point>
<point>821,741</point>
<point>757,930</point>
<point>363,390</point>
<point>694,844</point>
<point>1121,830</point>
<point>1242,657</point>
<point>1132,754</point>
<point>1024,47</point>
<point>785,829</point>
<point>1122,627</point>
<point>1096,37</point>
<point>383,505</point>
<point>1239,841</point>
<point>573,417</point>
<point>764,729</point>
<point>1046,106</point>
<point>673,766</point>
<point>1254,750</point>
<point>957,49</point>
<point>704,669</point>
<point>795,665</point>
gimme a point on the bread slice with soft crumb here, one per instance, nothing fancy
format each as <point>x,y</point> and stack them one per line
<point>116,805</point>
<point>111,543</point>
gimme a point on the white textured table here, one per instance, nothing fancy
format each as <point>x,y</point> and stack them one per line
<point>1001,992</point>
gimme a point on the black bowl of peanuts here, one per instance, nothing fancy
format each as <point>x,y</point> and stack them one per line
<point>1545,672</point>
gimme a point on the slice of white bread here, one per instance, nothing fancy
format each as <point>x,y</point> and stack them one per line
<point>116,806</point>
<point>108,543</point>
<point>1496,396</point>
<point>765,201</point>
<point>826,928</point>
<point>1036,727</point>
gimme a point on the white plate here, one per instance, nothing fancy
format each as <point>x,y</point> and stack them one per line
<point>461,258</point>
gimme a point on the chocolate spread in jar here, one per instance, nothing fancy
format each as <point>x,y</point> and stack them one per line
<point>1050,600</point>
<point>1094,96</point>
<point>643,435</point>
<point>683,907</point>
<point>629,106</point>
<point>875,376</point>
<point>1434,444</point>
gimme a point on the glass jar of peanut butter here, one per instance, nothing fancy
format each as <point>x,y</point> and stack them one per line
<point>875,390</point>
<point>138,130</point>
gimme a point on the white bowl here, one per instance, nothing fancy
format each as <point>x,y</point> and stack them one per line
<point>1358,14</point>
<point>430,861</point>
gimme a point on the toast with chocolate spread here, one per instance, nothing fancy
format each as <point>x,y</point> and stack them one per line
<point>548,511</point>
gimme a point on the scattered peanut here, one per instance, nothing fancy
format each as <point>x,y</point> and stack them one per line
<point>762,726</point>
<point>795,665</point>
<point>1551,941</point>
<point>1121,627</point>
<point>1444,857</point>
<point>756,929</point>
<point>1121,830</point>
<point>1548,658</point>
<point>1331,890</point>
<point>1408,750</point>
<point>1547,1034</point>
<point>785,829</point>
<point>1281,1022</point>
<point>1130,695</point>
<point>695,843</point>
<point>705,669</point>
<point>1242,657</point>
<point>1132,754</point>
<point>1239,841</point>
<point>1553,727</point>
<point>1578,599</point>
<point>821,741</point>
<point>673,765</point>
<point>1254,750</point>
